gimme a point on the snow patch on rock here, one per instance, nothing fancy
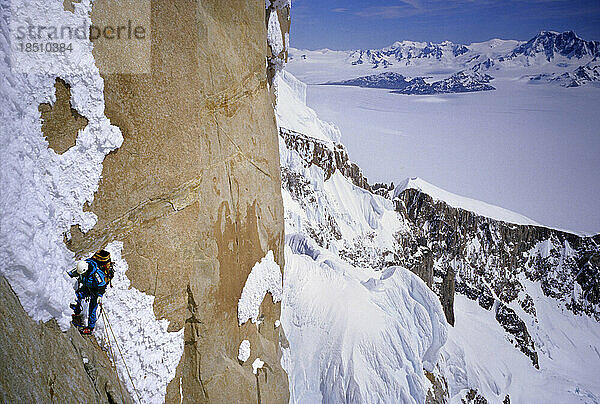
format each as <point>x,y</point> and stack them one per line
<point>257,364</point>
<point>264,277</point>
<point>244,350</point>
<point>150,352</point>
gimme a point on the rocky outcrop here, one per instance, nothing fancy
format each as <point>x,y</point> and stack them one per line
<point>45,365</point>
<point>194,192</point>
<point>486,260</point>
<point>329,157</point>
<point>465,81</point>
<point>438,393</point>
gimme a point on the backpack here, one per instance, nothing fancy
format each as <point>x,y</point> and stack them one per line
<point>95,278</point>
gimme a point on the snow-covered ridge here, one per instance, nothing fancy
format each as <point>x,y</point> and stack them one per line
<point>457,201</point>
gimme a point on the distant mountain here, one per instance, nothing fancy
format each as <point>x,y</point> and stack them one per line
<point>462,82</point>
<point>407,50</point>
<point>388,80</point>
<point>550,44</point>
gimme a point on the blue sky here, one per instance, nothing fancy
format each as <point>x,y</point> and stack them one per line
<point>352,24</point>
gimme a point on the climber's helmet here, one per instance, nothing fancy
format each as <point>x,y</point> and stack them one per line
<point>82,266</point>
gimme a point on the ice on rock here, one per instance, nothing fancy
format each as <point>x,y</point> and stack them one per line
<point>244,350</point>
<point>274,37</point>
<point>43,193</point>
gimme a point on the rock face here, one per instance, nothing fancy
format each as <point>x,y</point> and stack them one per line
<point>329,158</point>
<point>61,122</point>
<point>194,192</point>
<point>46,365</point>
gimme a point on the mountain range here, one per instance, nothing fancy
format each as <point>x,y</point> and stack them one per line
<point>550,57</point>
<point>547,44</point>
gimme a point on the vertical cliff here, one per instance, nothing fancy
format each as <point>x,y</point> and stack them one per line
<point>194,192</point>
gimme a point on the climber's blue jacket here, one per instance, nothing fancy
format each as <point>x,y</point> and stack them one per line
<point>93,285</point>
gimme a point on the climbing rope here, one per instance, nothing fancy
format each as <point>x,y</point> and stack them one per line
<point>106,321</point>
<point>111,352</point>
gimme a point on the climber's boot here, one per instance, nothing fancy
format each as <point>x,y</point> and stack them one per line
<point>77,320</point>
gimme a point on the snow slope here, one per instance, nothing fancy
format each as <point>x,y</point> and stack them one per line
<point>477,355</point>
<point>355,334</point>
<point>457,201</point>
<point>353,341</point>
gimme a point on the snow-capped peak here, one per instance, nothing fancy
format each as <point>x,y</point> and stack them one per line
<point>462,202</point>
<point>552,43</point>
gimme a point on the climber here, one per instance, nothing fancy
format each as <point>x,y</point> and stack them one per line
<point>93,275</point>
